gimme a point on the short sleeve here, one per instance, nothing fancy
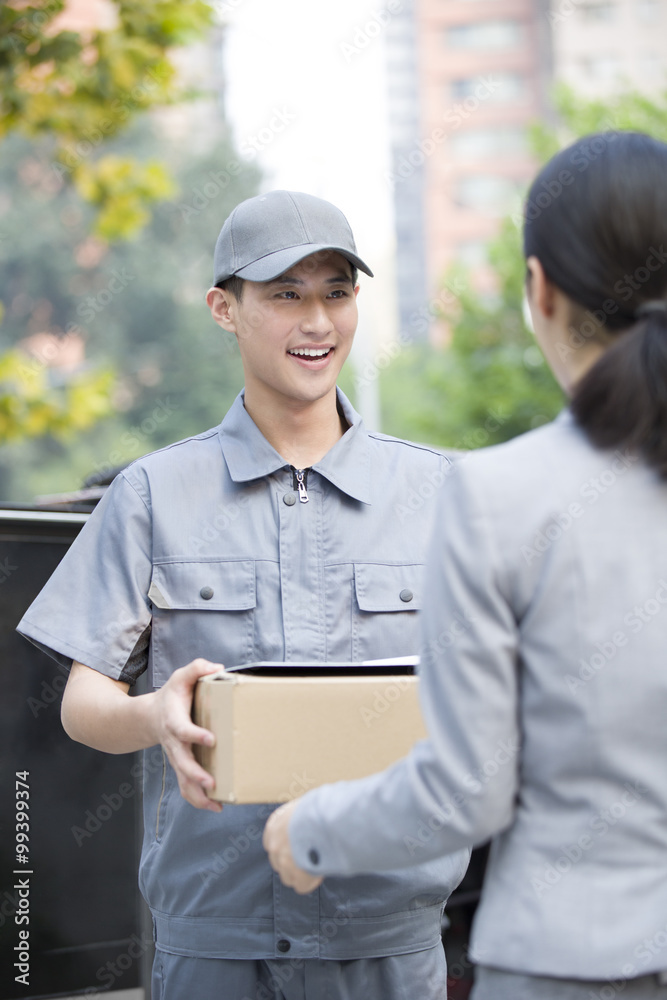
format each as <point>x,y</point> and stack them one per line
<point>95,606</point>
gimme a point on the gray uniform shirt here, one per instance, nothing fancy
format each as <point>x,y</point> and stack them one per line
<point>546,713</point>
<point>205,549</point>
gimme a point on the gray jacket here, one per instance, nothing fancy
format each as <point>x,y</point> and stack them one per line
<point>205,548</point>
<point>547,713</point>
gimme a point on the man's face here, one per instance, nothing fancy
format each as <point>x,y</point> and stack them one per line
<point>294,332</point>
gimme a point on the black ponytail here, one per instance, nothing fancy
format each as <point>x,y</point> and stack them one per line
<point>596,218</point>
<point>621,402</point>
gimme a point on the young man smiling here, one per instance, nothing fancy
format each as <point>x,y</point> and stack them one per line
<point>317,563</point>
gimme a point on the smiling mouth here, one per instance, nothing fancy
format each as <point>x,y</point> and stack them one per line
<point>310,352</point>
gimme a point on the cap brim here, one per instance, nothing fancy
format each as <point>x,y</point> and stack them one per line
<point>275,264</point>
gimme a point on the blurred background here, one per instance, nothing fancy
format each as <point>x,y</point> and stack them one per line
<point>129,129</point>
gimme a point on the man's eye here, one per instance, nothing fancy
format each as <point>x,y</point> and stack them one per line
<point>338,293</point>
<point>287,295</point>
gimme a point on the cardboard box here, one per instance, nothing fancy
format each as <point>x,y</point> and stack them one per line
<point>282,729</point>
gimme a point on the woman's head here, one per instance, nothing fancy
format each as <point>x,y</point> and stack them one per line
<point>596,220</point>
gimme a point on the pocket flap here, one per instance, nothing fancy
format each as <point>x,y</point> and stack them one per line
<point>204,586</point>
<point>388,588</point>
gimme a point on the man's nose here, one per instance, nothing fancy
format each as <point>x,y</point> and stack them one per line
<point>316,320</point>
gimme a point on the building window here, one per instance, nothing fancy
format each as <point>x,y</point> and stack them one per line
<point>480,143</point>
<point>486,193</point>
<point>499,88</point>
<point>485,35</point>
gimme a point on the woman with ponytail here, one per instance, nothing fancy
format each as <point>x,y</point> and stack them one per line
<point>547,708</point>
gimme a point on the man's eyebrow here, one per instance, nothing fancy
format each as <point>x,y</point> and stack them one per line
<point>286,279</point>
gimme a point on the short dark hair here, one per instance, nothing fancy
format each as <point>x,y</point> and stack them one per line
<point>595,218</point>
<point>233,284</point>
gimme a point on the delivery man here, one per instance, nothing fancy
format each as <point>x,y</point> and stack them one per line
<point>287,533</point>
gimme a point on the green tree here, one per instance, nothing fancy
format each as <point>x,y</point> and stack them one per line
<point>139,304</point>
<point>71,93</point>
<point>80,88</point>
<point>491,382</point>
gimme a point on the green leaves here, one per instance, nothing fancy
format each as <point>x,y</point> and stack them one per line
<point>84,87</point>
<point>123,190</point>
<point>32,405</point>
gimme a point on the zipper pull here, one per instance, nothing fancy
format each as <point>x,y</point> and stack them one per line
<point>301,486</point>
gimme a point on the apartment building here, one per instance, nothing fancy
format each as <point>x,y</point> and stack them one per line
<point>601,46</point>
<point>483,69</point>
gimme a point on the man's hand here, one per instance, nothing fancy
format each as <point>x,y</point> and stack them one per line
<point>176,731</point>
<point>99,712</point>
<point>277,845</point>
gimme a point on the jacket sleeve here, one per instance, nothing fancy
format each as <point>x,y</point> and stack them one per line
<point>458,787</point>
<point>95,608</point>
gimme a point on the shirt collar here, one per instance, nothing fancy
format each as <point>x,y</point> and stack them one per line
<point>250,456</point>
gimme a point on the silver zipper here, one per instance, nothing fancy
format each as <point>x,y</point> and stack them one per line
<point>303,496</point>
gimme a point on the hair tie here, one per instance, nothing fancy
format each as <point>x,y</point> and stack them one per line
<point>651,306</point>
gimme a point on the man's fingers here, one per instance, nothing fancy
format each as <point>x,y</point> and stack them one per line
<point>197,797</point>
<point>193,781</point>
<point>198,668</point>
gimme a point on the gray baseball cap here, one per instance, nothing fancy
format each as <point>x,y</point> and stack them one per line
<point>266,235</point>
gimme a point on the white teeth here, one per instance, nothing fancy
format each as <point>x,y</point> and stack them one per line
<point>310,352</point>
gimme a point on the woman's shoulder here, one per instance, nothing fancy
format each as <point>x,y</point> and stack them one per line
<point>554,450</point>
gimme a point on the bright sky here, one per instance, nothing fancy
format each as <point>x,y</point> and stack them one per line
<point>306,84</point>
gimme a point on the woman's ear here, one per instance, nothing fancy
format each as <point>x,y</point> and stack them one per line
<point>540,291</point>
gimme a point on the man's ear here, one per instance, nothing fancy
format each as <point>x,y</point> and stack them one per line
<point>540,291</point>
<point>223,308</point>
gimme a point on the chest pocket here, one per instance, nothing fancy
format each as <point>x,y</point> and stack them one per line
<point>202,609</point>
<point>387,597</point>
